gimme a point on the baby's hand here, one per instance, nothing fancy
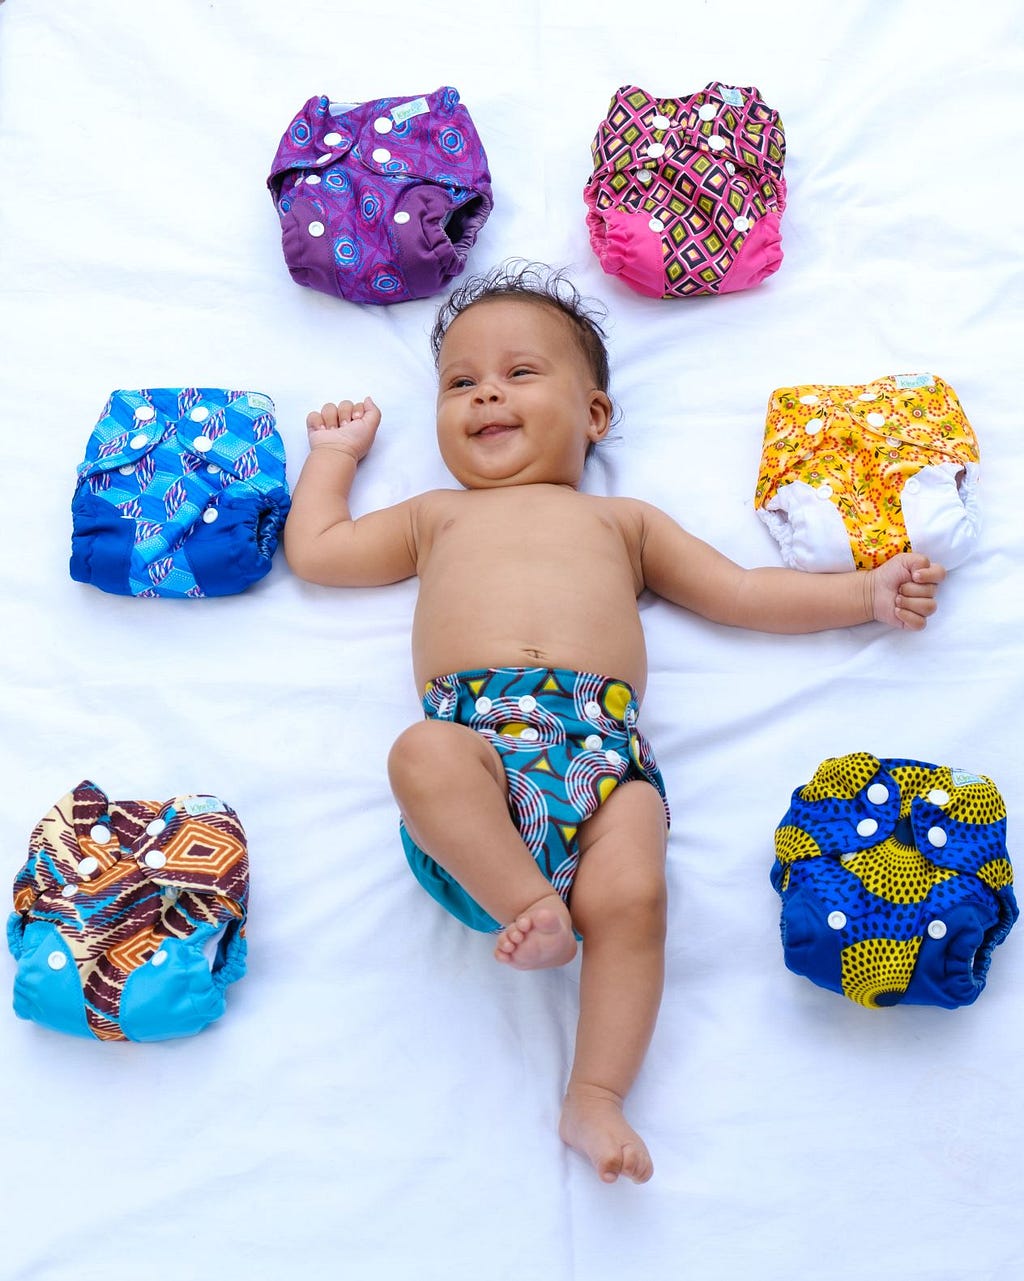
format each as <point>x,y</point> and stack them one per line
<point>903,590</point>
<point>349,427</point>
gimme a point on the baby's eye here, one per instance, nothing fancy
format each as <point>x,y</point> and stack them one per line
<point>457,383</point>
<point>522,369</point>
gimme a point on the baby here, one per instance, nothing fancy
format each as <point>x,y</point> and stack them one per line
<point>531,805</point>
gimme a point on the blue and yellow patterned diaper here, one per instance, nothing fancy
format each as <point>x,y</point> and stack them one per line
<point>566,740</point>
<point>895,881</point>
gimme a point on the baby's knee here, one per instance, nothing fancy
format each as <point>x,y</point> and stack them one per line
<point>634,904</point>
<point>415,752</point>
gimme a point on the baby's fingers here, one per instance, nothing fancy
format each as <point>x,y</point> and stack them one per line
<point>931,573</point>
<point>913,609</point>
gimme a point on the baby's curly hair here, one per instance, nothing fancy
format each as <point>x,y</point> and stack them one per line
<point>546,286</point>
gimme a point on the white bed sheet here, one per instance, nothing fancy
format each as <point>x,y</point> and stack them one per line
<point>381,1099</point>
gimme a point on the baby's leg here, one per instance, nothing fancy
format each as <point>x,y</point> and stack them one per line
<point>451,787</point>
<point>618,905</point>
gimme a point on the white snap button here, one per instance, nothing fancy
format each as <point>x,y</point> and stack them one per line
<point>381,155</point>
<point>655,149</point>
<point>593,742</point>
<point>937,929</point>
<point>656,224</point>
<point>199,414</point>
<point>383,124</point>
<point>824,491</point>
<point>155,858</point>
<point>322,160</point>
<point>156,827</point>
<point>938,797</point>
<point>316,229</point>
<point>592,709</point>
<point>716,142</point>
<point>867,827</point>
<point>741,224</point>
<point>202,444</point>
<point>530,735</point>
<point>660,122</point>
<point>707,111</point>
<point>912,485</point>
<point>402,216</point>
<point>212,468</point>
<point>145,413</point>
<point>69,891</point>
<point>332,139</point>
<point>99,834</point>
<point>158,958</point>
<point>878,793</point>
<point>645,176</point>
<point>730,167</point>
<point>56,960</point>
<point>138,441</point>
<point>868,395</point>
<point>88,866</point>
<point>937,837</point>
<point>848,857</point>
<point>613,758</point>
<point>812,425</point>
<point>483,705</point>
<point>892,442</point>
<point>527,703</point>
<point>210,515</point>
<point>876,420</point>
<point>298,181</point>
<point>810,399</point>
<point>313,180</point>
<point>127,469</point>
<point>836,920</point>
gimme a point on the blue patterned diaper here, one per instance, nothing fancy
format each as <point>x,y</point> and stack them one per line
<point>566,741</point>
<point>182,493</point>
<point>895,881</point>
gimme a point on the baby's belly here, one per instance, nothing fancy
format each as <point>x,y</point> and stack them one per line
<point>604,637</point>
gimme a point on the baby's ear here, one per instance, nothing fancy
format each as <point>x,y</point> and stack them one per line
<point>600,415</point>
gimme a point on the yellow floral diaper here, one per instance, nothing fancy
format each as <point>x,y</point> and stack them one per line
<point>851,476</point>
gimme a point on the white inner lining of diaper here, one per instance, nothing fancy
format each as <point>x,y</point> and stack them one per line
<point>211,944</point>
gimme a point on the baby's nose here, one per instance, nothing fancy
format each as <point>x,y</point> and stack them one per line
<point>487,392</point>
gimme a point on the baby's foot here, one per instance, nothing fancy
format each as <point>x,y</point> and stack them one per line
<point>541,936</point>
<point>593,1124</point>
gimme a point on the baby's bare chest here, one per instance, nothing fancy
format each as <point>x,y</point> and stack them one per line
<point>543,531</point>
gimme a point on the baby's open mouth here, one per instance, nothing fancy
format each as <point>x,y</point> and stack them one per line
<point>495,429</point>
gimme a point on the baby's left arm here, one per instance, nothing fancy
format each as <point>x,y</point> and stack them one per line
<point>693,574</point>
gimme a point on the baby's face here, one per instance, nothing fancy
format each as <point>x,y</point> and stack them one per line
<point>516,401</point>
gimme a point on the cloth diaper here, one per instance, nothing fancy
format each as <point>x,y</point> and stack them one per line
<point>182,493</point>
<point>851,476</point>
<point>686,195</point>
<point>129,916</point>
<point>380,201</point>
<point>895,881</point>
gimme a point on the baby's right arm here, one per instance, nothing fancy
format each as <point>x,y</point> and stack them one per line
<point>322,542</point>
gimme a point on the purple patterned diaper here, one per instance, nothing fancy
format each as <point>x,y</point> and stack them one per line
<point>380,201</point>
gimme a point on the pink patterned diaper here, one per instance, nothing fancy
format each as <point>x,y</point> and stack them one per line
<point>380,201</point>
<point>687,194</point>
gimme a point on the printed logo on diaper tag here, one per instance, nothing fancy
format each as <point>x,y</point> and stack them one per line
<point>196,805</point>
<point>418,107</point>
<point>961,777</point>
<point>732,96</point>
<point>906,381</point>
<point>257,400</point>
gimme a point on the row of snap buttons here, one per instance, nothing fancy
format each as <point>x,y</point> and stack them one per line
<point>936,929</point>
<point>57,960</point>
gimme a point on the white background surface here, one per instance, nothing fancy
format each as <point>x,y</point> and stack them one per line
<point>381,1099</point>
